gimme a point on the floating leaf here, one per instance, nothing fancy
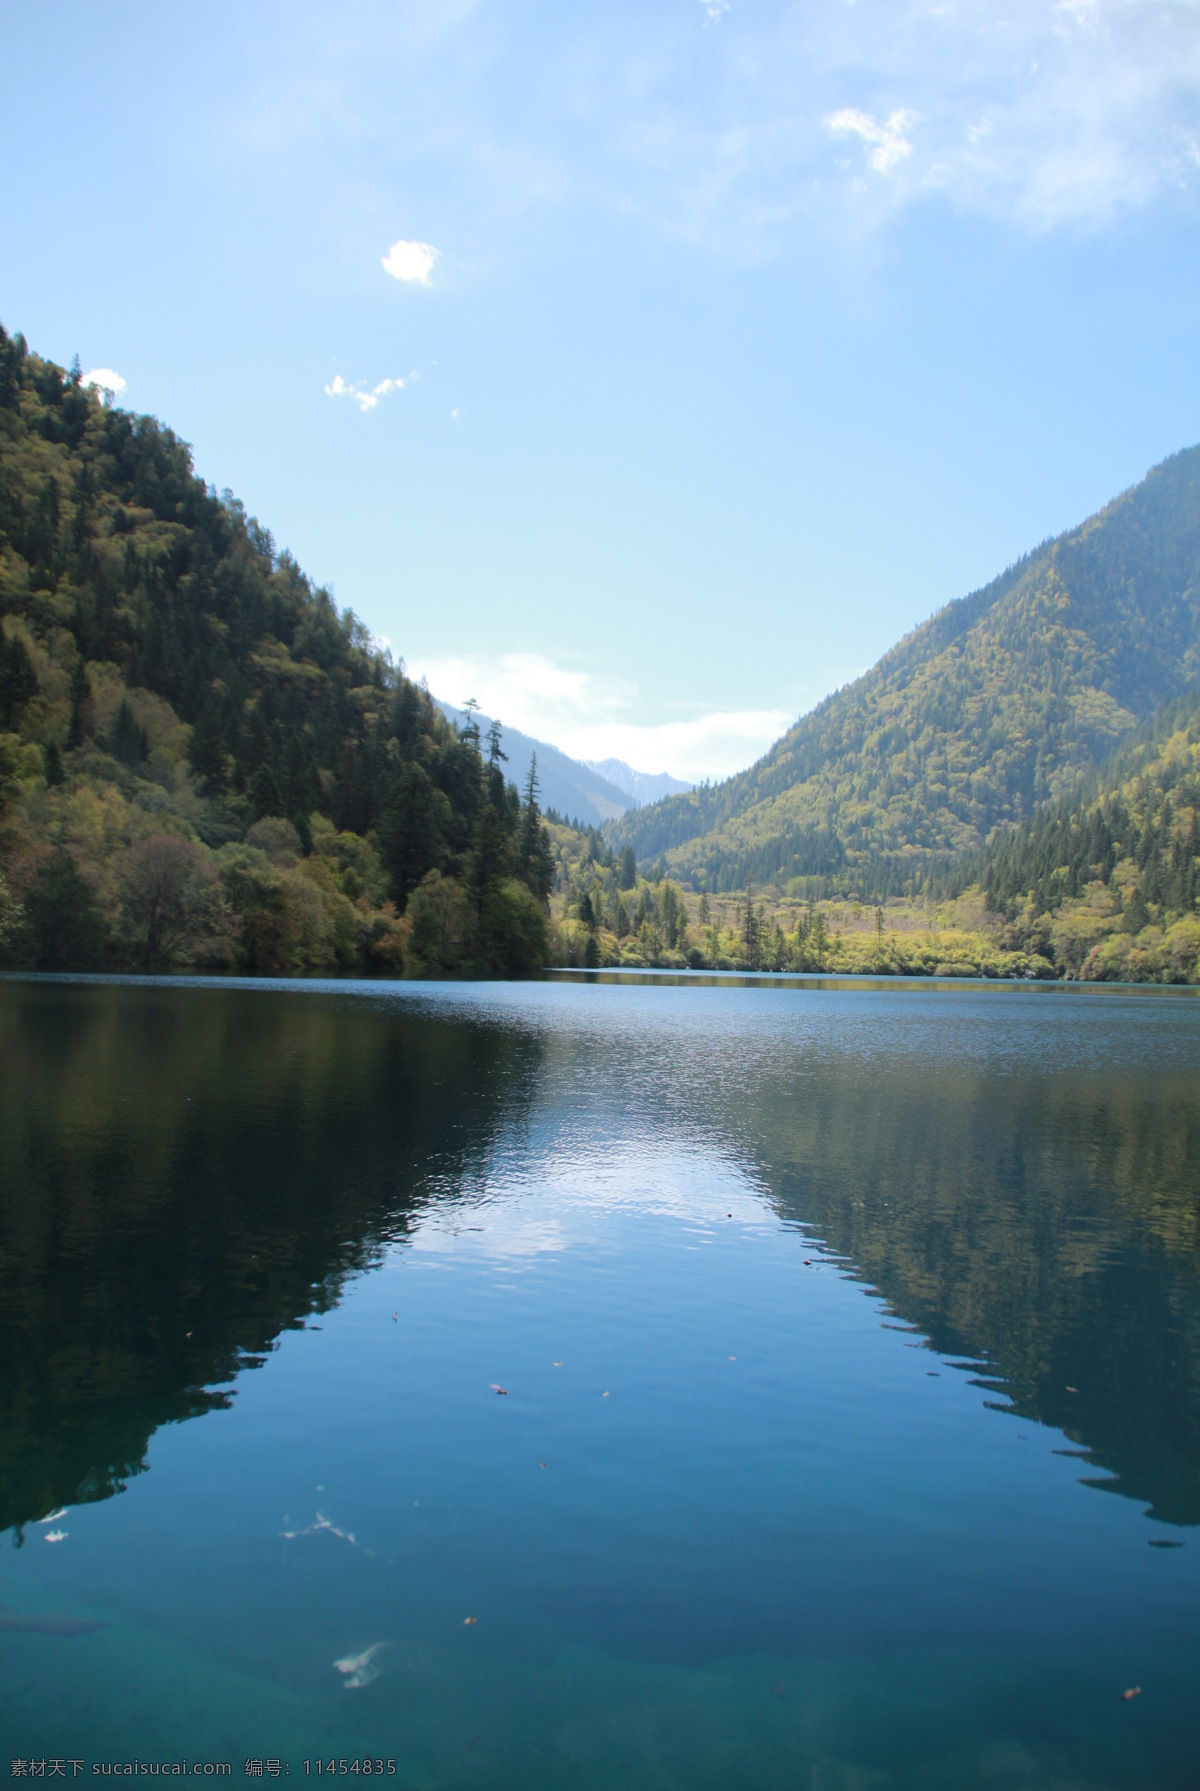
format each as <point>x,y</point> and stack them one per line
<point>1134,1691</point>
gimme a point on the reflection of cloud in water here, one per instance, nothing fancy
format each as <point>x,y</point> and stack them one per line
<point>563,1197</point>
<point>321,1525</point>
<point>358,1670</point>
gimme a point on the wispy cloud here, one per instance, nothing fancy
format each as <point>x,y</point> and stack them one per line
<point>410,262</point>
<point>888,143</point>
<point>1046,113</point>
<point>366,397</point>
<point>595,717</point>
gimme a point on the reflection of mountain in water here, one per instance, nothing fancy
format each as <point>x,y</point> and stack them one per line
<point>184,1173</point>
<point>1047,1227</point>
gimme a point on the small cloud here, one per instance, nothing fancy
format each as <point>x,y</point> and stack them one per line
<point>410,261</point>
<point>888,141</point>
<point>104,380</point>
<point>365,396</point>
<point>715,10</point>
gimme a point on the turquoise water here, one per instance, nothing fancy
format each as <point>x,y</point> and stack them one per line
<point>850,1342</point>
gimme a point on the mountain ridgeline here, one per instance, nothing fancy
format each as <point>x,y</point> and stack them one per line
<point>201,760</point>
<point>998,704</point>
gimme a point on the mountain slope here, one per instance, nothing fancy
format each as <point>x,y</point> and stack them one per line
<point>994,705</point>
<point>1106,886</point>
<point>201,760</point>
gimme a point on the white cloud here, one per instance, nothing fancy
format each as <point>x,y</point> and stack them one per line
<point>365,396</point>
<point>1092,109</point>
<point>714,743</point>
<point>592,717</point>
<point>412,262</point>
<point>889,143</point>
<point>1042,112</point>
<point>104,379</point>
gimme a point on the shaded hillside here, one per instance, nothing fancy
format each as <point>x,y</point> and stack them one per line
<point>998,703</point>
<point>201,760</point>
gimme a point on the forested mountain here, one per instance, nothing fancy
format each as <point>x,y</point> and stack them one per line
<point>1107,885</point>
<point>201,760</point>
<point>998,703</point>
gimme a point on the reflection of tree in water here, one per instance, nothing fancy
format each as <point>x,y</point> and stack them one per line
<point>1048,1228</point>
<point>184,1173</point>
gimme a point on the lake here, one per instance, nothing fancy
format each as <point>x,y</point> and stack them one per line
<point>586,1384</point>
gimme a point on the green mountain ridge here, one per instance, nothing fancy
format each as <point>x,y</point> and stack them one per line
<point>201,760</point>
<point>999,703</point>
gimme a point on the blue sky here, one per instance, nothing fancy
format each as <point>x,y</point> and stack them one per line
<point>642,370</point>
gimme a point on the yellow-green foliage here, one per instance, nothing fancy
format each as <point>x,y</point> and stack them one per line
<point>995,705</point>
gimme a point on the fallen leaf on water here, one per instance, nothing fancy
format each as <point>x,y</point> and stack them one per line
<point>541,1464</point>
<point>56,1535</point>
<point>808,1262</point>
<point>733,1358</point>
<point>1134,1691</point>
<point>1072,1389</point>
<point>501,1390</point>
<point>395,1318</point>
<point>604,1395</point>
<point>556,1364</point>
<point>467,1620</point>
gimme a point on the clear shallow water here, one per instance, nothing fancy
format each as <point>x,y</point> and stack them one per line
<point>852,1352</point>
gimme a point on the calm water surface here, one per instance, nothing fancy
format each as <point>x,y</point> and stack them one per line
<point>851,1353</point>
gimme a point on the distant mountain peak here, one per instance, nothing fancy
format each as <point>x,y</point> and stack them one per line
<point>641,786</point>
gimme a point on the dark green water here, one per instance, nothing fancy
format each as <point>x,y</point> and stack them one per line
<point>851,1347</point>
